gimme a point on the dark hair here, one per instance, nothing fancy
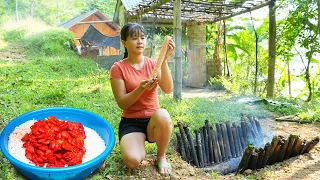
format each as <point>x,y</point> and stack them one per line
<point>128,30</point>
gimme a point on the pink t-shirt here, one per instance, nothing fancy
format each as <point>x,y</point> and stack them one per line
<point>148,102</point>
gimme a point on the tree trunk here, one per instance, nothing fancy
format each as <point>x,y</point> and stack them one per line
<point>226,66</point>
<point>289,79</point>
<point>272,48</point>
<point>216,57</point>
<point>177,54</point>
<point>17,13</point>
<point>256,72</point>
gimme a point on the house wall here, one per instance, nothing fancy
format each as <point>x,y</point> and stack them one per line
<point>196,48</point>
<point>79,29</point>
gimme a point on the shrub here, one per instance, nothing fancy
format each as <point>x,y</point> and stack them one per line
<point>14,35</point>
<point>50,42</point>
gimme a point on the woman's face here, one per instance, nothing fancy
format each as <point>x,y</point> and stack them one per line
<point>135,44</point>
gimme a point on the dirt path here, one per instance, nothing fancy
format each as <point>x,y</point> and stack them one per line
<point>12,52</point>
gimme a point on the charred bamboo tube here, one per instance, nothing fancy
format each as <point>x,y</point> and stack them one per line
<point>199,149</point>
<point>276,152</point>
<point>253,160</point>
<point>214,146</point>
<point>259,130</point>
<point>296,146</point>
<point>210,142</point>
<point>301,147</point>
<point>206,144</point>
<point>314,142</point>
<point>250,134</point>
<point>267,150</point>
<point>245,159</point>
<point>226,141</point>
<point>283,149</point>
<point>203,148</point>
<point>217,148</point>
<point>238,141</point>
<point>244,132</point>
<point>221,143</point>
<point>231,140</point>
<point>290,146</point>
<point>181,149</point>
<point>305,148</point>
<point>192,148</point>
<point>236,144</point>
<point>274,144</point>
<point>184,141</point>
<point>254,132</point>
<point>243,145</point>
<point>260,158</point>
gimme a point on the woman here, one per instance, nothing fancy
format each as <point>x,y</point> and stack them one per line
<point>142,118</point>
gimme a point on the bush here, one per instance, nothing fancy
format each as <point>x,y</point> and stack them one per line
<point>14,35</point>
<point>50,42</point>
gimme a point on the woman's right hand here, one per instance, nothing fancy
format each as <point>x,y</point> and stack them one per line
<point>148,84</point>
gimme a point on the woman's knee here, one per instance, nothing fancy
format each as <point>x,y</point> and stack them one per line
<point>162,117</point>
<point>132,162</point>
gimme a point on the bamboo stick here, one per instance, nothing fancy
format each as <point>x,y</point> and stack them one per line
<point>243,145</point>
<point>218,147</point>
<point>253,160</point>
<point>274,144</point>
<point>301,147</point>
<point>259,130</point>
<point>283,149</point>
<point>184,141</point>
<point>226,141</point>
<point>236,144</point>
<point>238,141</point>
<point>244,132</point>
<point>203,148</point>
<point>267,150</point>
<point>221,143</point>
<point>314,142</point>
<point>250,134</point>
<point>192,148</point>
<point>295,146</point>
<point>261,153</point>
<point>290,146</point>
<point>181,149</point>
<point>276,152</point>
<point>231,140</point>
<point>210,142</point>
<point>206,144</point>
<point>199,149</point>
<point>245,159</point>
<point>305,148</point>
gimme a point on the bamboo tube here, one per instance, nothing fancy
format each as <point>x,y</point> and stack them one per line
<point>231,140</point>
<point>206,144</point>
<point>254,132</point>
<point>211,159</point>
<point>276,152</point>
<point>226,141</point>
<point>192,148</point>
<point>295,146</point>
<point>163,52</point>
<point>267,150</point>
<point>261,153</point>
<point>314,142</point>
<point>236,144</point>
<point>244,132</point>
<point>274,144</point>
<point>184,141</point>
<point>283,149</point>
<point>259,130</point>
<point>203,148</point>
<point>245,159</point>
<point>181,149</point>
<point>250,134</point>
<point>305,148</point>
<point>243,145</point>
<point>253,160</point>
<point>301,147</point>
<point>219,159</point>
<point>290,146</point>
<point>214,146</point>
<point>199,149</point>
<point>238,141</point>
<point>221,143</point>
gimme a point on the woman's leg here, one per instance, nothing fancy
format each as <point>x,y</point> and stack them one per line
<point>159,130</point>
<point>132,149</point>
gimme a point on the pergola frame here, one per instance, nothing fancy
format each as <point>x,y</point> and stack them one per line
<point>177,12</point>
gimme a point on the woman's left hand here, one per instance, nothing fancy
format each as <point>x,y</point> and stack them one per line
<point>170,50</point>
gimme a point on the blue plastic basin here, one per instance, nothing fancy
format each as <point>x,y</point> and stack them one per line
<point>88,119</point>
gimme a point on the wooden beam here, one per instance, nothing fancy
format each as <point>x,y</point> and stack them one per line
<point>95,22</point>
<point>244,11</point>
<point>155,6</point>
<point>272,48</point>
<point>177,54</point>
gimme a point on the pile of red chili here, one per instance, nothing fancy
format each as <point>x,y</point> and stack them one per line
<point>55,143</point>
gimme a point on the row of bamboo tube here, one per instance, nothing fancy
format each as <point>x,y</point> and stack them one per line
<point>209,146</point>
<point>279,150</point>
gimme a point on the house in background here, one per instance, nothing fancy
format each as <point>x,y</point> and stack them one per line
<point>80,24</point>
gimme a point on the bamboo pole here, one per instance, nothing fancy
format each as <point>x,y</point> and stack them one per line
<point>203,148</point>
<point>181,149</point>
<point>244,132</point>
<point>221,143</point>
<point>206,144</point>
<point>267,151</point>
<point>238,141</point>
<point>261,153</point>
<point>210,142</point>
<point>242,142</point>
<point>314,142</point>
<point>290,146</point>
<point>283,149</point>
<point>219,160</point>
<point>199,149</point>
<point>192,148</point>
<point>259,130</point>
<point>231,140</point>
<point>184,141</point>
<point>253,160</point>
<point>226,141</point>
<point>245,160</point>
<point>236,144</point>
<point>296,144</point>
<point>274,144</point>
<point>276,152</point>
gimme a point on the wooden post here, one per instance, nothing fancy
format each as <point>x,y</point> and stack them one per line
<point>192,148</point>
<point>272,48</point>
<point>231,141</point>
<point>199,149</point>
<point>177,54</point>
<point>210,142</point>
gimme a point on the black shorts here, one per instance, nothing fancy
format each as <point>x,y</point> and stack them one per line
<point>130,125</point>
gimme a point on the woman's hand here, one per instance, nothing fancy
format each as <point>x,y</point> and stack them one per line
<point>148,84</point>
<point>170,50</point>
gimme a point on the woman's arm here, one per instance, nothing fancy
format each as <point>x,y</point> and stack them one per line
<point>125,99</point>
<point>164,77</point>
